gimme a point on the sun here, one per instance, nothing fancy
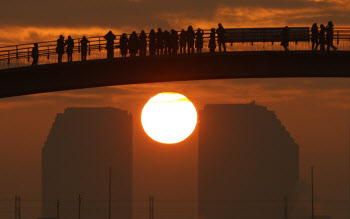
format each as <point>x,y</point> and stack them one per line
<point>169,118</point>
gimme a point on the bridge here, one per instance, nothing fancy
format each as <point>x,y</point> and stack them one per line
<point>263,60</point>
<point>136,70</point>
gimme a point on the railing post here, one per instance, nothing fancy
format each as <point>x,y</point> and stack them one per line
<point>338,37</point>
<point>16,51</point>
<point>89,49</point>
<point>99,43</point>
<point>48,52</point>
<point>79,42</point>
<point>8,57</point>
<point>28,56</point>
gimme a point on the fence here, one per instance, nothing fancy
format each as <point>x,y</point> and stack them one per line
<point>20,55</point>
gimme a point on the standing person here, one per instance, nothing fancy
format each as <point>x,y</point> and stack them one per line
<point>70,46</point>
<point>159,41</point>
<point>143,43</point>
<point>322,37</point>
<point>212,44</point>
<point>123,42</point>
<point>60,48</point>
<point>174,41</point>
<point>314,36</point>
<point>221,37</point>
<point>166,36</point>
<point>285,38</point>
<point>190,34</point>
<point>133,44</point>
<point>152,43</point>
<point>329,36</point>
<point>35,54</point>
<point>183,41</point>
<point>110,37</point>
<point>84,46</point>
<point>199,40</point>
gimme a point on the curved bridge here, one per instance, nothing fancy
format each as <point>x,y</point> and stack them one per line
<point>136,70</point>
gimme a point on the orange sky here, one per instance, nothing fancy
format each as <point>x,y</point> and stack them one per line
<point>314,111</point>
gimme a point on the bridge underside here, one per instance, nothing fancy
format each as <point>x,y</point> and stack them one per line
<point>136,70</point>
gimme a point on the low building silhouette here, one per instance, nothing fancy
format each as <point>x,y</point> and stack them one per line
<point>81,146</point>
<point>248,163</point>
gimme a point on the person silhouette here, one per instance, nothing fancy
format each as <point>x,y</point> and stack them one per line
<point>166,36</point>
<point>314,36</point>
<point>60,48</point>
<point>159,41</point>
<point>183,39</point>
<point>123,45</point>
<point>110,37</point>
<point>221,37</point>
<point>212,44</point>
<point>285,38</point>
<point>199,40</point>
<point>35,54</point>
<point>322,37</point>
<point>329,36</point>
<point>152,43</point>
<point>84,46</point>
<point>143,43</point>
<point>174,36</point>
<point>133,44</point>
<point>70,46</point>
<point>190,34</point>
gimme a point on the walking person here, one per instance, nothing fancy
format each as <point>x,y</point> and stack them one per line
<point>212,43</point>
<point>143,43</point>
<point>199,40</point>
<point>190,35</point>
<point>60,48</point>
<point>110,37</point>
<point>330,36</point>
<point>123,45</point>
<point>84,46</point>
<point>285,38</point>
<point>322,37</point>
<point>70,46</point>
<point>152,43</point>
<point>183,42</point>
<point>35,54</point>
<point>221,37</point>
<point>314,36</point>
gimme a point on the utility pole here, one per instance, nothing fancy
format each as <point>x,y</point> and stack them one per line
<point>109,192</point>
<point>16,206</point>
<point>151,207</point>
<point>79,199</point>
<point>19,207</point>
<point>58,209</point>
<point>285,202</point>
<point>312,191</point>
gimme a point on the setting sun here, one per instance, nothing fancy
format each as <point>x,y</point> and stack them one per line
<point>169,118</point>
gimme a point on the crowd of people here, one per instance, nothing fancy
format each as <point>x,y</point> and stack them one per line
<point>171,42</point>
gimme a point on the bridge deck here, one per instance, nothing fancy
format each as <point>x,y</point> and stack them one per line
<point>122,71</point>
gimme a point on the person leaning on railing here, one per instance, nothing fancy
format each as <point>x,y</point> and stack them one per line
<point>110,37</point>
<point>285,38</point>
<point>212,43</point>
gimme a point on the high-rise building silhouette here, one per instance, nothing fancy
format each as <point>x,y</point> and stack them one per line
<point>248,163</point>
<point>82,145</point>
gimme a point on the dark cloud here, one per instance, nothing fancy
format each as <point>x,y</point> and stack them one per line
<point>142,13</point>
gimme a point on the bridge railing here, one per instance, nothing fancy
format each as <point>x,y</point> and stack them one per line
<point>20,55</point>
